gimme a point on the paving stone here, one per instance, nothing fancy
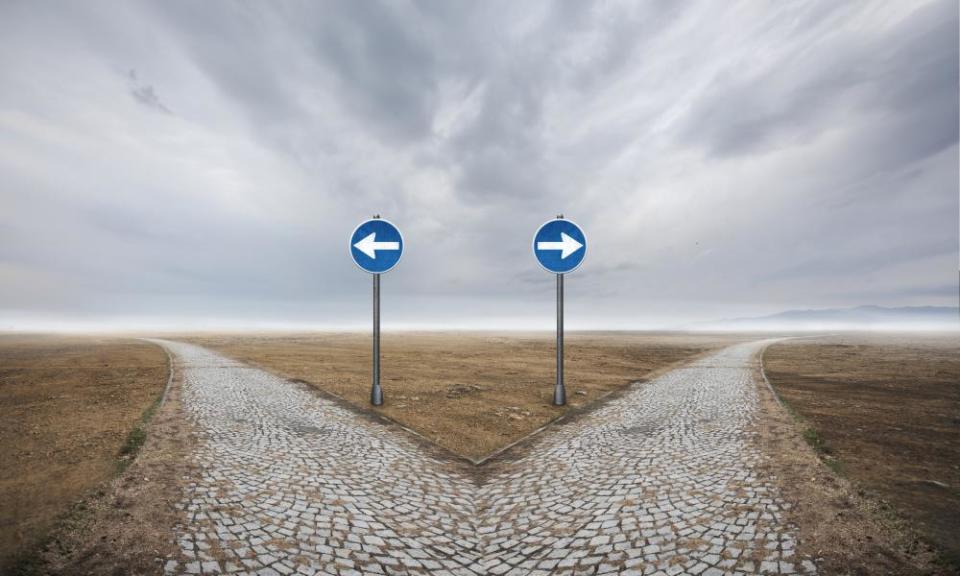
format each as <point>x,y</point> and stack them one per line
<point>663,479</point>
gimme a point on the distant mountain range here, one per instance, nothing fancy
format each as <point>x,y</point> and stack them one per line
<point>860,317</point>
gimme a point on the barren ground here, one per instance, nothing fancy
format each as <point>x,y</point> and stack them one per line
<point>884,411</point>
<point>471,393</point>
<point>67,409</point>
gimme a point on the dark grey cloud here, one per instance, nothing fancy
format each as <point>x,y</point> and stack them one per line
<point>725,160</point>
<point>145,94</point>
<point>909,69</point>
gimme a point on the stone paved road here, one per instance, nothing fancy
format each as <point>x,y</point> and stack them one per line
<point>660,481</point>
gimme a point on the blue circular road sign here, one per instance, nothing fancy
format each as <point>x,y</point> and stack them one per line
<point>559,246</point>
<point>376,246</point>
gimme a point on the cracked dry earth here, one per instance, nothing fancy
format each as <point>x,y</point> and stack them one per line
<point>659,481</point>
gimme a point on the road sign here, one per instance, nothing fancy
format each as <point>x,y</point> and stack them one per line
<point>559,246</point>
<point>376,246</point>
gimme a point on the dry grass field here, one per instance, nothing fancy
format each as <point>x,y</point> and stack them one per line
<point>471,393</point>
<point>69,410</point>
<point>884,410</point>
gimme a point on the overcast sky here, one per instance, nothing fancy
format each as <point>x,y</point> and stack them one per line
<point>205,162</point>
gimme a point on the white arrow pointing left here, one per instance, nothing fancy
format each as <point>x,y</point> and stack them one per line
<point>369,245</point>
<point>566,245</point>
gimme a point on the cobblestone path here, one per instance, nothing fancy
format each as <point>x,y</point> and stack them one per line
<point>659,481</point>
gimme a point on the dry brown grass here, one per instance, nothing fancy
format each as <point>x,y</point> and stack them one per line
<point>127,527</point>
<point>67,407</point>
<point>471,393</point>
<point>884,411</point>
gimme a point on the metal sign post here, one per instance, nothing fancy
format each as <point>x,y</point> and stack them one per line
<point>559,392</point>
<point>559,246</point>
<point>376,246</point>
<point>376,392</point>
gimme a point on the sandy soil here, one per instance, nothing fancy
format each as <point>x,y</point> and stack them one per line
<point>67,408</point>
<point>471,393</point>
<point>884,413</point>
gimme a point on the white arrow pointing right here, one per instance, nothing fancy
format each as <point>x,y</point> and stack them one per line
<point>566,245</point>
<point>369,245</point>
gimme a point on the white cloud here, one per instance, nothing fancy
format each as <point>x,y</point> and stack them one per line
<point>204,160</point>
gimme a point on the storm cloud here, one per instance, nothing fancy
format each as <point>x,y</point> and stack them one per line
<point>203,163</point>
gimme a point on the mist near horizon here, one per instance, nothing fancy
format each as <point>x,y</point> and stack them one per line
<point>175,165</point>
<point>859,319</point>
